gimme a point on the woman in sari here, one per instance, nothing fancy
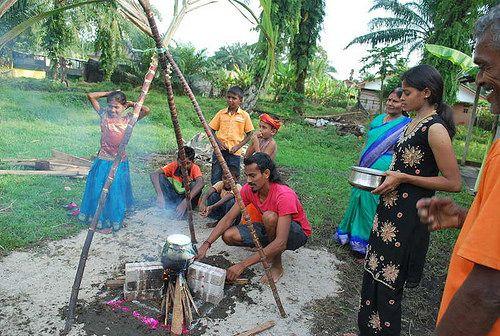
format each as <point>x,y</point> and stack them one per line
<point>384,131</point>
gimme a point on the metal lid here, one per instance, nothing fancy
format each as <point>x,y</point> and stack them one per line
<point>178,239</point>
<point>368,170</point>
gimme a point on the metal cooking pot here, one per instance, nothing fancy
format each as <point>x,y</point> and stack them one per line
<point>178,252</point>
<point>366,178</point>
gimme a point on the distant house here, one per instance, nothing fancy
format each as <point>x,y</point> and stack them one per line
<point>369,100</point>
<point>36,66</point>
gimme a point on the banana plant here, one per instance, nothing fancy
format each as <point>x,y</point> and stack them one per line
<point>464,61</point>
<point>23,26</point>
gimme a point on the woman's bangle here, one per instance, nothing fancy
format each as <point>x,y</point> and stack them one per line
<point>209,243</point>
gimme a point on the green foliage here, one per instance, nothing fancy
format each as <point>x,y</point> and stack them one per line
<point>236,54</point>
<point>386,62</point>
<point>465,62</point>
<point>193,63</point>
<point>330,92</point>
<point>453,26</point>
<point>283,80</point>
<point>58,36</point>
<point>108,39</point>
<point>408,24</point>
<point>304,44</point>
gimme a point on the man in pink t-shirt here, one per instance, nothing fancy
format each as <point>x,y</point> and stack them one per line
<point>284,225</point>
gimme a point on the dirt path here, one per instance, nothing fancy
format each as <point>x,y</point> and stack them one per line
<point>35,284</point>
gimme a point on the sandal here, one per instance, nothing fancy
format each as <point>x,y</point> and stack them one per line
<point>70,206</point>
<point>105,231</point>
<point>74,212</point>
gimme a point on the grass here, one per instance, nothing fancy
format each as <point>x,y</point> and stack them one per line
<point>315,161</point>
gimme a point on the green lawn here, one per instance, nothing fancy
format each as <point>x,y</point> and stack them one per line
<point>315,161</point>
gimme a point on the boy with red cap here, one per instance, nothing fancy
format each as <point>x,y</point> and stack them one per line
<point>263,140</point>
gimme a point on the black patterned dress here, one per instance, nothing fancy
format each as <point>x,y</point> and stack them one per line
<point>398,241</point>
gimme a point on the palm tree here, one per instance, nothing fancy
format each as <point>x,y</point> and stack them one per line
<point>409,24</point>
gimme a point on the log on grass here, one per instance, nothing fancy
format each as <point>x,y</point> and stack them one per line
<point>73,173</point>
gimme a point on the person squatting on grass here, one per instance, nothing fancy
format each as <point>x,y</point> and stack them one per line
<point>170,192</point>
<point>383,133</point>
<point>233,128</point>
<point>113,125</point>
<point>471,300</point>
<point>283,224</point>
<point>219,199</point>
<point>263,141</point>
<point>398,242</point>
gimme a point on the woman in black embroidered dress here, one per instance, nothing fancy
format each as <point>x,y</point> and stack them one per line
<point>398,241</point>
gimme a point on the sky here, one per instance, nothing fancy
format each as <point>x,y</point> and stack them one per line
<point>219,24</point>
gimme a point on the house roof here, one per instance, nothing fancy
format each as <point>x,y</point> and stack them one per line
<point>464,95</point>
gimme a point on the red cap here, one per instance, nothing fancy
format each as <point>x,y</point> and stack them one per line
<point>266,118</point>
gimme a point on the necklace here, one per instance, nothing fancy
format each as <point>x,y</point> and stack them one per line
<point>413,126</point>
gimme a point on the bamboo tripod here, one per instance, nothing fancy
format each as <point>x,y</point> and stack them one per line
<point>163,56</point>
<point>104,195</point>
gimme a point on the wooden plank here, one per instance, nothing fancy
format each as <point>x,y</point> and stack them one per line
<point>239,281</point>
<point>116,283</point>
<point>76,173</point>
<point>258,329</point>
<point>68,158</point>
<point>177,315</point>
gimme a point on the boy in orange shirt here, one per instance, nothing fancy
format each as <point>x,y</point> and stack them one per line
<point>233,128</point>
<point>167,182</point>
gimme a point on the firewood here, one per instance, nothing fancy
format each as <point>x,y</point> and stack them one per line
<point>258,329</point>
<point>75,173</point>
<point>116,283</point>
<point>177,315</point>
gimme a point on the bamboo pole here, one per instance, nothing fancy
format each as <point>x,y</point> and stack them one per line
<point>471,127</point>
<point>163,56</point>
<point>104,195</point>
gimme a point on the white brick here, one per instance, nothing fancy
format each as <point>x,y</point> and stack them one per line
<point>206,282</point>
<point>143,281</point>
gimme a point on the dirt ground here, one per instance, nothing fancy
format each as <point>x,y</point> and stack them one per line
<point>35,285</point>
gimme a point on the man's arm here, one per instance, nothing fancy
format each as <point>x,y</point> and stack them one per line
<point>222,201</point>
<point>198,185</point>
<point>155,179</point>
<point>440,213</point>
<point>221,145</point>
<point>224,224</point>
<point>475,307</point>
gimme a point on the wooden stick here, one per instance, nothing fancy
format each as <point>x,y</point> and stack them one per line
<point>68,158</point>
<point>190,297</point>
<point>177,316</point>
<point>258,329</point>
<point>173,115</point>
<point>77,173</point>
<point>104,195</point>
<point>163,54</point>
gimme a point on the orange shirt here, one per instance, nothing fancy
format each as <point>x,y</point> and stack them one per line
<point>479,239</point>
<point>169,171</point>
<point>231,127</point>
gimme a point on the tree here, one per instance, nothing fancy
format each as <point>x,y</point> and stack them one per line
<point>304,44</point>
<point>385,61</point>
<point>108,39</point>
<point>453,26</point>
<point>57,38</point>
<point>409,24</point>
<point>239,54</point>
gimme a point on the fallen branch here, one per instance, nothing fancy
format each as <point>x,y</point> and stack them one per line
<point>258,329</point>
<point>77,173</point>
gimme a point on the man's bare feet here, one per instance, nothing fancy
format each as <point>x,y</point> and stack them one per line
<point>276,272</point>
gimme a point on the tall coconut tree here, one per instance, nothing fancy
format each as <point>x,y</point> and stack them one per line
<point>408,24</point>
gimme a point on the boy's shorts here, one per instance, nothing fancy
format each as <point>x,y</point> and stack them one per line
<point>296,236</point>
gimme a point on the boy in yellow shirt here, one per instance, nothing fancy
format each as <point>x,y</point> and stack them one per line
<point>233,128</point>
